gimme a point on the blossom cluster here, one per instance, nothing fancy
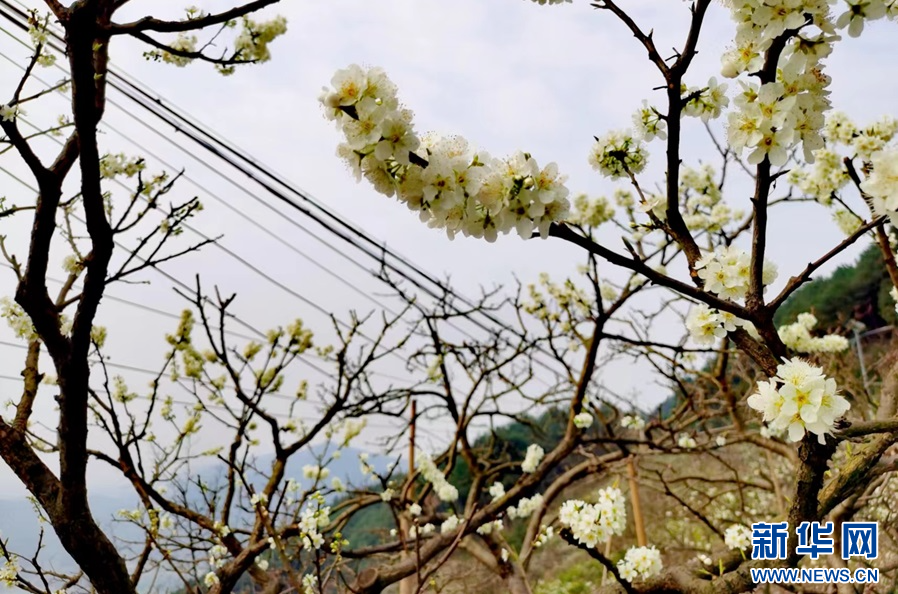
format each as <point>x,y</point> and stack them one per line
<point>217,555</point>
<point>737,537</point>
<point>17,319</point>
<point>444,490</point>
<point>10,572</point>
<point>860,11</point>
<point>594,523</point>
<point>114,164</point>
<point>9,113</point>
<point>800,398</point>
<point>862,141</point>
<point>558,302</point>
<point>847,222</point>
<point>640,562</point>
<point>315,473</point>
<point>823,179</point>
<point>210,579</point>
<point>828,174</point>
<point>775,116</point>
<point>706,325</point>
<point>526,506</point>
<point>618,154</point>
<point>882,184</point>
<point>798,337</point>
<point>314,517</point>
<point>497,491</point>
<point>583,420</point>
<point>726,272</point>
<point>686,441</point>
<point>706,102</point>
<point>449,524</point>
<point>309,583</point>
<point>425,530</point>
<point>37,30</point>
<point>488,528</point>
<point>250,45</point>
<point>701,195</point>
<point>449,184</point>
<point>532,458</point>
<point>632,422</point>
<point>545,535</point>
<point>648,123</point>
<point>590,212</point>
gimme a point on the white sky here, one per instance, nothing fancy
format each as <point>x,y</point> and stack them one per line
<point>505,74</point>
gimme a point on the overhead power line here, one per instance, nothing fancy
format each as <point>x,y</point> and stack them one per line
<point>289,194</point>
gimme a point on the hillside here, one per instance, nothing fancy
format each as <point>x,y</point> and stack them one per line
<point>854,291</point>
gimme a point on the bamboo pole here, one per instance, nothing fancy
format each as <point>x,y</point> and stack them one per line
<point>409,585</point>
<point>638,520</point>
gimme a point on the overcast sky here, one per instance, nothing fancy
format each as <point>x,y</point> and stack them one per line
<point>505,74</point>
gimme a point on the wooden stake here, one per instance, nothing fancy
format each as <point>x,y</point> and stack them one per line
<point>409,585</point>
<point>411,439</point>
<point>638,520</point>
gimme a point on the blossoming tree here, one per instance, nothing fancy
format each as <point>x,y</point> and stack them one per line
<point>73,197</point>
<point>803,443</point>
<point>254,521</point>
<point>686,237</point>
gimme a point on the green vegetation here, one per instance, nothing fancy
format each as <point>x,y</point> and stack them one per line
<point>580,578</point>
<point>509,443</point>
<point>858,291</point>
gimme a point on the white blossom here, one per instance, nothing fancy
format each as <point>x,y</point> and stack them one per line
<point>618,154</point>
<point>799,398</point>
<point>640,562</point>
<point>430,472</point>
<point>532,458</point>
<point>583,420</point>
<point>9,113</point>
<point>798,337</point>
<point>593,523</point>
<point>882,184</point>
<point>449,524</point>
<point>686,441</point>
<point>525,507</point>
<point>315,473</point>
<point>632,422</point>
<point>737,537</point>
<point>497,490</point>
<point>451,186</point>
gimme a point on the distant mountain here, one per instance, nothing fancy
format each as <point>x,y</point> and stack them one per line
<point>858,291</point>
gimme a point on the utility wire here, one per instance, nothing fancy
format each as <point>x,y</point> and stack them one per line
<point>150,107</point>
<point>210,141</point>
<point>232,254</point>
<point>175,280</point>
<point>277,415</point>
